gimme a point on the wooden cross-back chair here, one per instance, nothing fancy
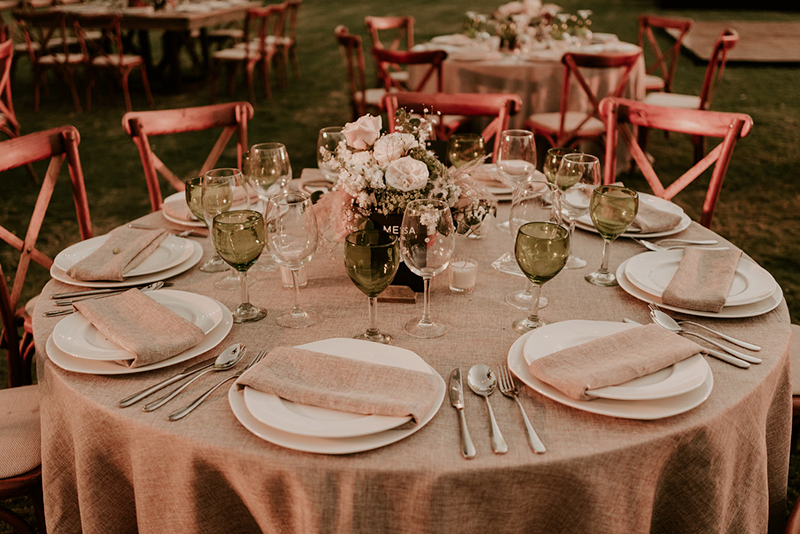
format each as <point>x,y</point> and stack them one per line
<point>8,119</point>
<point>498,106</point>
<point>107,54</point>
<point>568,128</point>
<point>433,58</point>
<point>666,62</point>
<point>619,113</point>
<point>362,100</point>
<point>142,125</point>
<point>288,43</point>
<point>403,39</point>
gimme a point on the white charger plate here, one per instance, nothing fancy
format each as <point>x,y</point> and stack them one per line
<point>197,252</point>
<point>76,336</point>
<point>170,252</point>
<point>97,367</point>
<point>728,312</point>
<point>177,203</point>
<point>315,421</point>
<point>643,410</point>
<point>327,445</point>
<point>585,222</point>
<point>675,380</point>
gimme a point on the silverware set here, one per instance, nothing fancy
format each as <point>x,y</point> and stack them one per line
<point>68,299</point>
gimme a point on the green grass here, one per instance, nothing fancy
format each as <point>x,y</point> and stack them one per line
<point>759,207</point>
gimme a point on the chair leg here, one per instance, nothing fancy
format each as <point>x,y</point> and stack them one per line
<point>38,509</point>
<point>146,85</point>
<point>89,87</point>
<point>231,78</point>
<point>125,89</point>
<point>248,74</point>
<point>214,79</point>
<point>295,63</point>
<point>70,79</point>
<point>265,73</point>
<point>15,521</point>
<point>38,77</point>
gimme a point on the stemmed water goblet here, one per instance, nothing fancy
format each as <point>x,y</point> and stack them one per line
<point>427,240</point>
<point>576,178</point>
<point>552,161</point>
<point>371,258</point>
<point>464,148</point>
<point>516,156</point>
<point>327,141</point>
<point>613,209</point>
<point>266,164</point>
<point>216,197</point>
<point>239,237</point>
<point>292,239</point>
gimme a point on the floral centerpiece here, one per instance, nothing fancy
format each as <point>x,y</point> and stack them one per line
<point>515,20</point>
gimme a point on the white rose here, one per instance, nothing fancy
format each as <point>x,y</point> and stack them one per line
<point>392,146</point>
<point>407,174</point>
<point>510,8</point>
<point>532,7</point>
<point>362,133</point>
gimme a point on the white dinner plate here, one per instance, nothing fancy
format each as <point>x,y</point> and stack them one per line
<point>176,204</point>
<point>197,253</point>
<point>728,312</point>
<point>653,271</point>
<point>585,222</point>
<point>315,421</point>
<point>675,380</point>
<point>76,336</point>
<point>97,367</point>
<point>170,252</point>
<point>328,445</point>
<point>644,410</point>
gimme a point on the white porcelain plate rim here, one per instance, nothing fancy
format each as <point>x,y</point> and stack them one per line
<point>176,198</point>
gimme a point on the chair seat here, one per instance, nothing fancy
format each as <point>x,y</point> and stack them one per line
<point>254,44</point>
<point>400,76</point>
<point>227,33</point>
<point>653,83</point>
<point>549,123</point>
<point>372,97</point>
<point>20,439</point>
<point>61,59</point>
<point>673,100</point>
<point>236,54</point>
<point>795,358</point>
<point>127,60</point>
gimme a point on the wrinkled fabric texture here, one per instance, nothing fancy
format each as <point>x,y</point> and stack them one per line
<point>703,279</point>
<point>124,250</point>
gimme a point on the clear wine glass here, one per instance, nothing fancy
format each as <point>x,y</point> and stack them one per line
<point>552,161</point>
<point>265,166</point>
<point>576,178</point>
<point>613,209</point>
<point>292,239</point>
<point>327,141</point>
<point>241,201</point>
<point>541,249</point>
<point>516,156</point>
<point>427,240</point>
<point>532,202</point>
<point>463,148</point>
<point>239,237</point>
<point>216,197</point>
<point>371,258</point>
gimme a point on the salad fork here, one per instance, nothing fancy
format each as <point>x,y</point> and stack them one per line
<point>509,389</point>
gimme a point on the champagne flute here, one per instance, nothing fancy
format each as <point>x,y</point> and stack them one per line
<point>292,239</point>
<point>427,240</point>
<point>613,209</point>
<point>239,237</point>
<point>532,202</point>
<point>516,156</point>
<point>371,258</point>
<point>463,148</point>
<point>216,197</point>
<point>327,141</point>
<point>552,161</point>
<point>576,178</point>
<point>541,249</point>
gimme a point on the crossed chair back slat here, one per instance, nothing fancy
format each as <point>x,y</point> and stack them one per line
<point>39,28</point>
<point>141,125</point>
<point>725,41</point>
<point>353,57</point>
<point>433,58</point>
<point>666,62</point>
<point>110,44</point>
<point>403,38</point>
<point>498,106</point>
<point>730,127</point>
<point>8,119</point>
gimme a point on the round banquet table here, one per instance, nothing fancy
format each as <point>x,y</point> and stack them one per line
<point>721,467</point>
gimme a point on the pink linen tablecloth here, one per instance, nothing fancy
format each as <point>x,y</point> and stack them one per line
<point>720,468</point>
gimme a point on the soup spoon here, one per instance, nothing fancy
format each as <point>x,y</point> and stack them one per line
<point>482,381</point>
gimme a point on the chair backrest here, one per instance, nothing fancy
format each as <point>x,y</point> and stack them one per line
<point>39,27</point>
<point>290,9</point>
<point>618,113</point>
<point>353,56</point>
<point>141,125</point>
<point>267,22</point>
<point>57,144</point>
<point>6,104</point>
<point>666,62</point>
<point>573,63</point>
<point>432,58</point>
<point>726,40</point>
<point>110,44</point>
<point>498,106</point>
<point>404,31</point>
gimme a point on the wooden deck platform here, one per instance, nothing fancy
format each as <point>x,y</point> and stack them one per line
<point>760,42</point>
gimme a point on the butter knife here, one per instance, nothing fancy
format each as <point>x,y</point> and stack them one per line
<point>457,400</point>
<point>136,397</point>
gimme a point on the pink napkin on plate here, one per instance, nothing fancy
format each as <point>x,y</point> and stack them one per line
<point>651,219</point>
<point>337,383</point>
<point>125,249</point>
<point>179,210</point>
<point>703,279</point>
<point>612,360</point>
<point>141,325</point>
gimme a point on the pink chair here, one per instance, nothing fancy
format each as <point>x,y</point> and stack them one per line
<point>362,100</point>
<point>141,125</point>
<point>403,32</point>
<point>433,58</point>
<point>666,62</point>
<point>8,119</point>
<point>618,113</point>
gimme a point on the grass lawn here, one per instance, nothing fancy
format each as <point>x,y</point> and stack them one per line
<point>759,207</point>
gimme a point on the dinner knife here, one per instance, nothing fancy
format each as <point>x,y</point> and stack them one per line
<point>457,400</point>
<point>136,397</point>
<point>87,292</point>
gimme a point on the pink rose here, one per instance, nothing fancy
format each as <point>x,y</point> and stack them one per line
<point>407,174</point>
<point>363,133</point>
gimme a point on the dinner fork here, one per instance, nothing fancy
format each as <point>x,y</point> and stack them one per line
<point>509,389</point>
<point>659,248</point>
<point>189,408</point>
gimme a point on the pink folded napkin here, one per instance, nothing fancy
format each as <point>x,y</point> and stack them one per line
<point>179,211</point>
<point>123,251</point>
<point>703,279</point>
<point>650,219</point>
<point>318,379</point>
<point>141,325</point>
<point>612,360</point>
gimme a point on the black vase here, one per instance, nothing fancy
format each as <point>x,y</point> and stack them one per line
<point>391,225</point>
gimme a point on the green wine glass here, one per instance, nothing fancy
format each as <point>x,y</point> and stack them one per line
<point>239,237</point>
<point>194,196</point>
<point>371,258</point>
<point>613,209</point>
<point>541,249</point>
<point>464,148</point>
